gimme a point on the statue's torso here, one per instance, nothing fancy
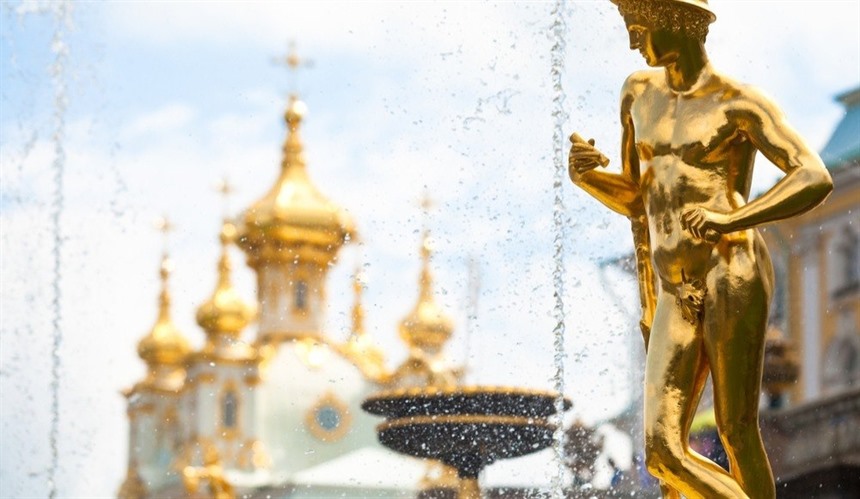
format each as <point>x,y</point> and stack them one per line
<point>691,155</point>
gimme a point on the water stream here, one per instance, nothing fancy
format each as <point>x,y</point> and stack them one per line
<point>474,291</point>
<point>560,115</point>
<point>62,13</point>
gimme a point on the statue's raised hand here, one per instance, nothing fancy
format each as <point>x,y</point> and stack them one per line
<point>583,157</point>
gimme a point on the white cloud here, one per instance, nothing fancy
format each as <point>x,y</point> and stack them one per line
<point>166,120</point>
<point>423,28</point>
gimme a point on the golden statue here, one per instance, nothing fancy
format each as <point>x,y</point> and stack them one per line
<point>213,473</point>
<point>690,136</point>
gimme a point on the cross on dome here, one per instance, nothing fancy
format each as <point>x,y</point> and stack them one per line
<point>293,63</point>
<point>426,203</point>
<point>225,189</point>
<point>165,226</point>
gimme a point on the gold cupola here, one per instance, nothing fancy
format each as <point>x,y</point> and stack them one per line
<point>294,221</point>
<point>164,349</point>
<point>224,315</point>
<point>426,328</point>
<point>291,237</point>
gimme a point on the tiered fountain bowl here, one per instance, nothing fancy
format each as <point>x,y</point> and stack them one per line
<point>466,428</point>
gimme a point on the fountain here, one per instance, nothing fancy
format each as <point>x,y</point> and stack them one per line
<point>467,428</point>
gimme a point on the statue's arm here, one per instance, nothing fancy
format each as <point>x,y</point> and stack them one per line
<point>618,192</point>
<point>638,218</point>
<point>615,191</point>
<point>806,183</point>
<point>621,193</point>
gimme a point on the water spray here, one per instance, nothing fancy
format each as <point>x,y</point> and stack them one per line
<point>62,11</point>
<point>559,114</point>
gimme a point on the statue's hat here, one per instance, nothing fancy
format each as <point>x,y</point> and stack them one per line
<point>699,4</point>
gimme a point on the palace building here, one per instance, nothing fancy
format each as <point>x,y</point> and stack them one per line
<point>812,365</point>
<point>817,264</point>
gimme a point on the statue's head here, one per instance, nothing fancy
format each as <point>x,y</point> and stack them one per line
<point>659,29</point>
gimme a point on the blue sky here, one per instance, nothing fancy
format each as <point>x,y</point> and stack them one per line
<point>165,98</point>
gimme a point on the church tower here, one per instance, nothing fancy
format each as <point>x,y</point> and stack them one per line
<point>220,400</point>
<point>155,433</point>
<point>425,330</point>
<point>312,382</point>
<point>291,236</point>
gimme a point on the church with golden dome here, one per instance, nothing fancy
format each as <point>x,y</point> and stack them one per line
<point>270,405</point>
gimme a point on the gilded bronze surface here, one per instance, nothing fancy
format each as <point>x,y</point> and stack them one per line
<point>689,140</point>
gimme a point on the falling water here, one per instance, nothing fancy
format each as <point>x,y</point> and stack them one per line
<point>474,290</point>
<point>558,31</point>
<point>62,21</point>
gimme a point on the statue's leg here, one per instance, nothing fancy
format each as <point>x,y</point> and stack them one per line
<point>701,377</point>
<point>673,379</point>
<point>668,492</point>
<point>735,320</point>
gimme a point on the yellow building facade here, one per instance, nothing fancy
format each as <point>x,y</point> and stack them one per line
<point>811,430</point>
<point>817,265</point>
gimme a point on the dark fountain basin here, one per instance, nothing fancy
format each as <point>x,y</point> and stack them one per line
<point>467,428</point>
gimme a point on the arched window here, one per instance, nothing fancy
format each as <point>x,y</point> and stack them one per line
<point>301,295</point>
<point>171,421</point>
<point>229,410</point>
<point>842,360</point>
<point>842,370</point>
<point>849,261</point>
<point>780,299</point>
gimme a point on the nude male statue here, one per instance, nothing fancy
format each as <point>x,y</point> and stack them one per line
<point>690,136</point>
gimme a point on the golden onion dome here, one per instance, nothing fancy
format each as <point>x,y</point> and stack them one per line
<point>426,327</point>
<point>164,345</point>
<point>224,312</point>
<point>294,212</point>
